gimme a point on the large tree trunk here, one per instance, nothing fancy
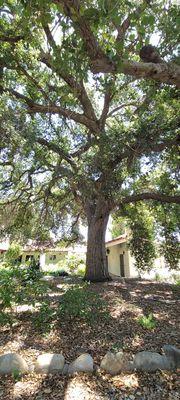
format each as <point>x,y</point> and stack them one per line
<point>96,262</point>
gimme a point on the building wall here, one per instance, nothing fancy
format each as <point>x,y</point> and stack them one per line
<point>159,266</point>
<point>35,254</point>
<point>47,259</point>
<point>114,259</point>
<point>52,259</point>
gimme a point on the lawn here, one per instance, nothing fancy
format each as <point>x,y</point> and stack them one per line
<point>118,323</point>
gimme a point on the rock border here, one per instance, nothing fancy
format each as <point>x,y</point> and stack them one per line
<point>112,363</point>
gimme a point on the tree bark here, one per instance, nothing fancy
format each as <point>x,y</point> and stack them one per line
<point>96,262</point>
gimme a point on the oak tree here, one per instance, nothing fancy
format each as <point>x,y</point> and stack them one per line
<point>89,123</point>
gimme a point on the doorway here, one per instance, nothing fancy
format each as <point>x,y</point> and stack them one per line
<point>122,270</point>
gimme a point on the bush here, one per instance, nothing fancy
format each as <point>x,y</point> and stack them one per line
<point>79,302</point>
<point>148,322</point>
<point>81,270</point>
<point>72,264</point>
<point>13,253</point>
<point>59,272</point>
<point>18,287</point>
<point>44,319</point>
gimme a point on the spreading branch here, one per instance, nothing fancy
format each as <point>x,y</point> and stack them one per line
<point>163,198</point>
<point>123,105</point>
<point>77,87</point>
<point>138,150</point>
<point>55,148</point>
<point>34,108</point>
<point>11,39</point>
<point>101,63</point>
<point>166,73</point>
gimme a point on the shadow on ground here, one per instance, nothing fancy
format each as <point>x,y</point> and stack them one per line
<point>126,301</point>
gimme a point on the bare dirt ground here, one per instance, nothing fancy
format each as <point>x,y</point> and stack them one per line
<point>126,301</point>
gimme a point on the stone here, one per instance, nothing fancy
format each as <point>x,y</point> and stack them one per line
<point>49,363</point>
<point>115,363</point>
<point>84,363</point>
<point>173,354</point>
<point>12,363</point>
<point>65,369</point>
<point>150,361</point>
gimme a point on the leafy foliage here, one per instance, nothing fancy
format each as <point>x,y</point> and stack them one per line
<point>12,254</point>
<point>142,241</point>
<point>79,302</point>
<point>44,318</point>
<point>86,126</point>
<point>147,322</point>
<point>18,286</point>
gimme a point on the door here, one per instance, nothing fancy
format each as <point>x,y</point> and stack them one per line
<point>122,272</point>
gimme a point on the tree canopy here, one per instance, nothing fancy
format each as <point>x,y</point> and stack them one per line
<point>89,119</point>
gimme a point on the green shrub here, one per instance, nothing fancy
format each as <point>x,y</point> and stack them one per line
<point>6,319</point>
<point>73,262</point>
<point>17,375</point>
<point>157,277</point>
<point>17,287</point>
<point>12,254</point>
<point>81,270</point>
<point>148,322</point>
<point>44,319</point>
<point>58,272</point>
<point>79,302</point>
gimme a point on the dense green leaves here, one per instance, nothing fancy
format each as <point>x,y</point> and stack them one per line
<point>72,139</point>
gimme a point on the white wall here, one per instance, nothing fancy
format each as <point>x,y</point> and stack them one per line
<point>114,259</point>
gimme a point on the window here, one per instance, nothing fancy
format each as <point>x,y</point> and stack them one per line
<point>52,257</point>
<point>29,257</point>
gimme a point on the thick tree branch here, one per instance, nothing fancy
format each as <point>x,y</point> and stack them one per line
<point>53,109</point>
<point>101,63</point>
<point>90,143</point>
<point>138,150</point>
<point>34,108</point>
<point>162,197</point>
<point>71,9</point>
<point>164,72</point>
<point>11,39</point>
<point>107,100</point>
<point>77,88</point>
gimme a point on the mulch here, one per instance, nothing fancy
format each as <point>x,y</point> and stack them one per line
<point>127,300</point>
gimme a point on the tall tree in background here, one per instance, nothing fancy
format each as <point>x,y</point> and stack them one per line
<point>89,116</point>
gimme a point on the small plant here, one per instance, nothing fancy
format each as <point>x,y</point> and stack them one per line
<point>177,283</point>
<point>116,347</point>
<point>176,288</point>
<point>43,321</point>
<point>59,272</point>
<point>157,277</point>
<point>147,322</point>
<point>80,302</point>
<point>81,270</point>
<point>6,319</point>
<point>16,375</point>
